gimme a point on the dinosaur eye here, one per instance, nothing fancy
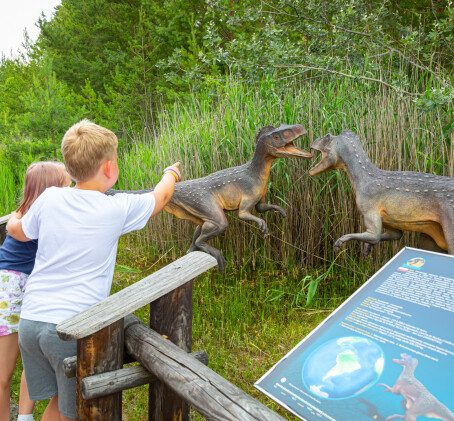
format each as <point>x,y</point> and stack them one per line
<point>275,137</point>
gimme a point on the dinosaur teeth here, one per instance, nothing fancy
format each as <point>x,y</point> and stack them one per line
<point>397,188</point>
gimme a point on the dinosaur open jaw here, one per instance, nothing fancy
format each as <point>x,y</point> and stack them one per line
<point>290,150</point>
<point>321,165</point>
<point>405,359</point>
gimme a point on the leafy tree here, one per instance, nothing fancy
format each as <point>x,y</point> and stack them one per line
<point>49,107</point>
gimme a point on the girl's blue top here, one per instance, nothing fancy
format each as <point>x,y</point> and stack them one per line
<point>17,255</point>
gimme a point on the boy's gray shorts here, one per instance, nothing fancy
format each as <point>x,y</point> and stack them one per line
<point>43,353</point>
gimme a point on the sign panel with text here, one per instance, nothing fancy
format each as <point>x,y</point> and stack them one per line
<point>385,353</point>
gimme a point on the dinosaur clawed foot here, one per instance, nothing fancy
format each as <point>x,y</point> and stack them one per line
<point>213,252</point>
<point>367,249</point>
<point>337,246</point>
<point>221,262</point>
<point>263,227</point>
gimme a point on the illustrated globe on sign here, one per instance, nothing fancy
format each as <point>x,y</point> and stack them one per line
<point>343,367</point>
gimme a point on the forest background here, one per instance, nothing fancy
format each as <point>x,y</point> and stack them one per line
<point>195,81</point>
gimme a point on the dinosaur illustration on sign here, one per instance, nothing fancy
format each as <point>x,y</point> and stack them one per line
<point>418,401</point>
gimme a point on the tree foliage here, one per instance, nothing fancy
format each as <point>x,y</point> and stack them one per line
<point>116,61</point>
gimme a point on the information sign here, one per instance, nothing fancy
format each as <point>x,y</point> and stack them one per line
<point>385,353</point>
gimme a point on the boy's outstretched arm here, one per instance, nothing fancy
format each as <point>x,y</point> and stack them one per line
<point>164,189</point>
<point>14,227</point>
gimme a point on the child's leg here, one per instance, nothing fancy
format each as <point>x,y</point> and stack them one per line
<point>9,351</point>
<point>43,353</point>
<point>52,413</point>
<point>25,403</point>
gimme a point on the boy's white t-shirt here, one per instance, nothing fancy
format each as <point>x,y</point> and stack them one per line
<point>78,232</point>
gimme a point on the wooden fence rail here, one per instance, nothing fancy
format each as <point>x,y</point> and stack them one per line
<point>3,221</point>
<point>177,377</point>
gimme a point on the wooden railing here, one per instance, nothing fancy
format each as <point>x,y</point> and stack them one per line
<point>108,336</point>
<point>3,221</point>
<point>177,379</point>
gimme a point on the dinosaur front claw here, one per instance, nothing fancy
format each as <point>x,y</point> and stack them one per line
<point>281,211</point>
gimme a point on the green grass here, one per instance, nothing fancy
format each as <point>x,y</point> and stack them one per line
<point>244,330</point>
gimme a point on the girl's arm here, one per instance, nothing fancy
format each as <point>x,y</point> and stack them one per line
<point>14,227</point>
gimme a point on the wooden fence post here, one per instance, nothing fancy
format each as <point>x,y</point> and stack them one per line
<point>98,353</point>
<point>171,315</point>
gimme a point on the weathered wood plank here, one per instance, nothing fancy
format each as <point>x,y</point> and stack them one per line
<point>124,302</point>
<point>210,394</point>
<point>70,363</point>
<point>3,221</point>
<point>104,384</point>
<point>99,353</point>
<point>171,315</point>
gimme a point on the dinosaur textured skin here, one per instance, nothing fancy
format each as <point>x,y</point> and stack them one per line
<point>418,401</point>
<point>390,201</point>
<point>204,200</point>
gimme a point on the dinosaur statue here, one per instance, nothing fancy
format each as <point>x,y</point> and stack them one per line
<point>395,201</point>
<point>204,200</point>
<point>417,399</point>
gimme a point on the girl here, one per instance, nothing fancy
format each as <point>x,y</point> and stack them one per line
<point>16,263</point>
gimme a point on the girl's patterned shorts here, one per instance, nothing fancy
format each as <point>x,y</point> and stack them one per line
<point>12,285</point>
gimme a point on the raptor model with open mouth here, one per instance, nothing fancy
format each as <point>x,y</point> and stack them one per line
<point>204,200</point>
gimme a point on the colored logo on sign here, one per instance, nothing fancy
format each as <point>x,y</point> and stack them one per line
<point>415,263</point>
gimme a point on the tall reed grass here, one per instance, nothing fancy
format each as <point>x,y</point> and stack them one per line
<point>216,130</point>
<point>8,197</point>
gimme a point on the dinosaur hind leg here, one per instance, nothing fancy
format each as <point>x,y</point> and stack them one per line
<point>197,232</point>
<point>211,229</point>
<point>426,242</point>
<point>390,234</point>
<point>447,224</point>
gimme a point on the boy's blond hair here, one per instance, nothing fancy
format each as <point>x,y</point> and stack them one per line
<point>85,147</point>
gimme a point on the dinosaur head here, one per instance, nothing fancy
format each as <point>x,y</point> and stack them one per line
<point>279,141</point>
<point>406,361</point>
<point>329,158</point>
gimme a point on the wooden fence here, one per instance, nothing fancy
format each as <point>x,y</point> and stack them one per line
<point>108,336</point>
<point>3,221</point>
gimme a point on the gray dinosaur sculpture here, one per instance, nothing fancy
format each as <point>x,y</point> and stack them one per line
<point>395,201</point>
<point>418,401</point>
<point>204,200</point>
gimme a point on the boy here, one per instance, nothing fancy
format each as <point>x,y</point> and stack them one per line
<point>78,230</point>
